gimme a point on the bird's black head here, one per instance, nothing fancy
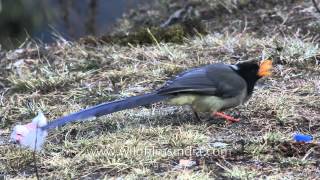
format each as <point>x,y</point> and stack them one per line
<point>251,72</point>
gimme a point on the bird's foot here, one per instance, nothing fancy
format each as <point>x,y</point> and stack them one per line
<point>228,118</point>
<point>196,115</point>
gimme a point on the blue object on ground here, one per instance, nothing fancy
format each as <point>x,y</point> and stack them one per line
<point>302,138</point>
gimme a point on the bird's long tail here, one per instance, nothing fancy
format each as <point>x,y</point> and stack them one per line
<point>106,108</point>
<point>33,134</point>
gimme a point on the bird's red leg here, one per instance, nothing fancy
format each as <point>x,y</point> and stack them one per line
<point>230,119</point>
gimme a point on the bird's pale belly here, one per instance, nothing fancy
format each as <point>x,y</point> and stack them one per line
<point>200,103</point>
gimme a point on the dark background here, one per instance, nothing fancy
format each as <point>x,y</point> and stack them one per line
<point>40,19</point>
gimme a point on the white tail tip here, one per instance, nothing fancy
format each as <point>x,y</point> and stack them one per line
<point>30,135</point>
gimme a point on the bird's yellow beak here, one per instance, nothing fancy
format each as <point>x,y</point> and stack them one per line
<point>265,68</point>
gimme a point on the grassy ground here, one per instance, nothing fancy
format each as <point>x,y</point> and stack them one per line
<point>161,141</point>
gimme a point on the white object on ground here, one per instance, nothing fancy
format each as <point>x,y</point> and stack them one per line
<point>30,135</point>
<point>219,145</point>
<point>185,163</point>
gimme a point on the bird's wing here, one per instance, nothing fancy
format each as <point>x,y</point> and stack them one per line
<point>217,80</point>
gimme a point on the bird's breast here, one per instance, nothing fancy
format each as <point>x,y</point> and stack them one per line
<point>208,103</point>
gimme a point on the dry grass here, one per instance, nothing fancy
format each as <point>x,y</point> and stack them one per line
<point>149,142</point>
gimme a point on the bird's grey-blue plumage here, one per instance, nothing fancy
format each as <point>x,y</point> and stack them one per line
<point>106,108</point>
<point>216,79</point>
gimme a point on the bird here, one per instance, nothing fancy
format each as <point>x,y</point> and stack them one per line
<point>211,88</point>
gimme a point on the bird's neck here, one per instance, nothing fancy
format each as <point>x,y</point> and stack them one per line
<point>250,86</point>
